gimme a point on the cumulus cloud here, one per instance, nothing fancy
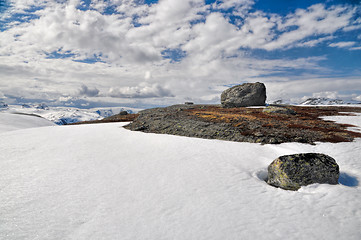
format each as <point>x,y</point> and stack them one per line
<point>332,95</point>
<point>316,20</point>
<point>50,52</point>
<point>89,92</point>
<point>144,90</point>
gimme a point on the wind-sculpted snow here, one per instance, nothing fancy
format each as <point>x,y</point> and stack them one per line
<point>105,182</point>
<point>11,122</point>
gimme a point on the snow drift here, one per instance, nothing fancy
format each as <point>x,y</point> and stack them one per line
<point>11,122</point>
<point>105,182</point>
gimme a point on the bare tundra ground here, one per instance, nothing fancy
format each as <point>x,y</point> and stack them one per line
<point>243,124</point>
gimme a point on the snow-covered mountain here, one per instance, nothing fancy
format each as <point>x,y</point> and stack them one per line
<point>3,105</point>
<point>315,101</point>
<point>105,182</point>
<point>65,115</point>
<point>327,101</point>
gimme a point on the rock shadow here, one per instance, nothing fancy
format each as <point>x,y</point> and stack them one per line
<point>348,180</point>
<point>262,175</point>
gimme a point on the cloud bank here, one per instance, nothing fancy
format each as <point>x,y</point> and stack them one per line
<point>134,52</point>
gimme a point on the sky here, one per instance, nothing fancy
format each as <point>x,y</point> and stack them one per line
<point>91,53</point>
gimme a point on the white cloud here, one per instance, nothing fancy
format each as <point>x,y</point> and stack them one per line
<point>85,33</point>
<point>226,4</point>
<point>343,44</point>
<point>355,48</point>
<point>147,75</point>
<point>167,25</point>
<point>131,42</point>
<point>239,7</point>
<point>142,91</point>
<point>332,95</point>
<point>212,38</point>
<point>22,5</point>
<point>355,25</point>
<point>315,42</point>
<point>89,92</point>
<point>315,21</point>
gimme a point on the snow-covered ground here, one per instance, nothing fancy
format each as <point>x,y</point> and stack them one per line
<point>11,122</point>
<point>105,182</point>
<point>65,115</point>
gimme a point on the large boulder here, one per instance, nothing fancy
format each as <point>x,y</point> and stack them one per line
<point>247,94</point>
<point>290,172</point>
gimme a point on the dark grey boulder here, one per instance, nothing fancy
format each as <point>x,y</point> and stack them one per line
<point>247,94</point>
<point>290,172</point>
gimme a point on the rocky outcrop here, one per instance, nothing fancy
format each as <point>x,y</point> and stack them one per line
<point>290,172</point>
<point>179,120</point>
<point>279,110</point>
<point>245,95</point>
<point>244,124</point>
<point>122,113</point>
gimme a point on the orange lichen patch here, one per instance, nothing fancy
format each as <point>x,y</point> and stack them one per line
<point>223,116</point>
<point>306,123</point>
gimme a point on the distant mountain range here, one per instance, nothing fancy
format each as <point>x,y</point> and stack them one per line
<point>64,115</point>
<point>327,101</point>
<point>318,101</point>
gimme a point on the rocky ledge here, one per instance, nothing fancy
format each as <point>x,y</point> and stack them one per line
<point>255,125</point>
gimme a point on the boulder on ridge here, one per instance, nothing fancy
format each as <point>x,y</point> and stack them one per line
<point>245,95</point>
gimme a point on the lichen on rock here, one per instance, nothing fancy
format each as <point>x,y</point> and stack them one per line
<point>290,172</point>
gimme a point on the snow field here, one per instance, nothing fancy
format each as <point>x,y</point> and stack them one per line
<point>11,122</point>
<point>105,182</point>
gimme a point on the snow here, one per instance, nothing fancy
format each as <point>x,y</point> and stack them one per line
<point>65,115</point>
<point>11,122</point>
<point>354,120</point>
<point>105,182</point>
<point>329,101</point>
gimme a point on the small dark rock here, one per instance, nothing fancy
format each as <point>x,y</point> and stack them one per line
<point>273,141</point>
<point>290,172</point>
<point>3,105</point>
<point>42,106</point>
<point>188,103</point>
<point>122,113</point>
<point>258,134</point>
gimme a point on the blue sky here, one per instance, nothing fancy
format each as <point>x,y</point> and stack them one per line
<point>151,53</point>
